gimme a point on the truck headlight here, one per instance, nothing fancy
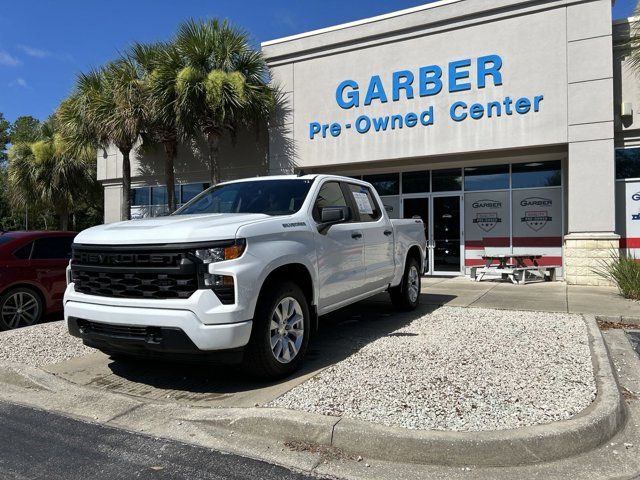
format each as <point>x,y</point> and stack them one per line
<point>220,254</point>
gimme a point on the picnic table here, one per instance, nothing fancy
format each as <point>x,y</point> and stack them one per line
<point>513,266</point>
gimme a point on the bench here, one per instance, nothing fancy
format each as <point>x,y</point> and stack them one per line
<point>512,266</point>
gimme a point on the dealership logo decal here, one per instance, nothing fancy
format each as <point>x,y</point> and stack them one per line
<point>536,220</point>
<point>487,220</point>
<point>487,204</point>
<point>536,202</point>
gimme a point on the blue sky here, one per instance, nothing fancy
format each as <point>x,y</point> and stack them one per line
<point>44,43</point>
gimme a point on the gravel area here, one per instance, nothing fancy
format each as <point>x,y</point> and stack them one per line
<point>463,370</point>
<point>41,345</point>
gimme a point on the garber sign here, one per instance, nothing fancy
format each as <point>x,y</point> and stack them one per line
<point>423,83</point>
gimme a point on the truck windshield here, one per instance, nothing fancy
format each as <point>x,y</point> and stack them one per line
<point>271,197</point>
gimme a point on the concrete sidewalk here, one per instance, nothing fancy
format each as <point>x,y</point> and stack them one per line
<point>543,296</point>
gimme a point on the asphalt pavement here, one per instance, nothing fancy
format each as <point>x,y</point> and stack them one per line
<point>42,445</point>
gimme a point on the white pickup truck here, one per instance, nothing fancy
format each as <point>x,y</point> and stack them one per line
<point>242,272</point>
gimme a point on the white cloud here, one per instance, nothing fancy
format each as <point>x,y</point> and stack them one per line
<point>8,60</point>
<point>19,82</point>
<point>34,52</point>
<point>40,53</point>
<point>286,19</point>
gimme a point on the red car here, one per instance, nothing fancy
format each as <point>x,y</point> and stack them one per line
<point>32,275</point>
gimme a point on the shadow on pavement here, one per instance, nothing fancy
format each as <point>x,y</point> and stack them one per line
<point>341,334</point>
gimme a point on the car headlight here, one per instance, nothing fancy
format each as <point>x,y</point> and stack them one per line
<point>220,254</point>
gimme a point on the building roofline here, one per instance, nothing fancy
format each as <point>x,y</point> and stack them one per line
<point>356,23</point>
<point>626,20</point>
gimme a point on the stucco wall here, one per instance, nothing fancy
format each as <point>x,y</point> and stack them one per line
<point>626,86</point>
<point>533,52</point>
<point>248,157</point>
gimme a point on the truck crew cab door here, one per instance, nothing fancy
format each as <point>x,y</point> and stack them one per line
<point>377,231</point>
<point>340,252</point>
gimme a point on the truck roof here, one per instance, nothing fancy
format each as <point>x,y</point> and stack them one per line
<point>311,176</point>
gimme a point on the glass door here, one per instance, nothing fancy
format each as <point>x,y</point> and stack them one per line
<point>446,239</point>
<point>419,207</point>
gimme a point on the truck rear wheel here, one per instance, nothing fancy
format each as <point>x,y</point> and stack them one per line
<point>280,333</point>
<point>406,296</point>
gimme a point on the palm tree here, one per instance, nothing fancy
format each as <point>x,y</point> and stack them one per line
<point>160,63</point>
<point>50,175</point>
<point>633,41</point>
<point>222,84</point>
<point>108,107</point>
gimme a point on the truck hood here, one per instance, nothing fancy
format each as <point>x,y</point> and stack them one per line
<point>172,229</point>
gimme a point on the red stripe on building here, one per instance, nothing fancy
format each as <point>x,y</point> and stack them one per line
<point>487,242</point>
<point>631,242</point>
<point>543,262</point>
<point>537,241</point>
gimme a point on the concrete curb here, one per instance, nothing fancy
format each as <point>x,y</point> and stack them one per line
<point>584,432</point>
<point>540,443</point>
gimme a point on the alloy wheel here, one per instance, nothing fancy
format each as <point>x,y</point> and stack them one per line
<point>413,284</point>
<point>286,330</point>
<point>20,309</point>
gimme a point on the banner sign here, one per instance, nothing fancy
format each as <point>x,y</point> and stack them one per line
<point>628,213</point>
<point>537,213</point>
<point>486,216</point>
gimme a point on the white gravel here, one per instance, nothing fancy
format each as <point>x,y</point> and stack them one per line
<point>40,345</point>
<point>463,370</point>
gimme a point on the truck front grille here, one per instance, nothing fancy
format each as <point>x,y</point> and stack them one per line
<point>134,272</point>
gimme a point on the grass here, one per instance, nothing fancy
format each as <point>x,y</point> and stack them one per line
<point>624,272</point>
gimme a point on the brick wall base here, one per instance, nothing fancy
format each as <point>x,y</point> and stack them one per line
<point>586,253</point>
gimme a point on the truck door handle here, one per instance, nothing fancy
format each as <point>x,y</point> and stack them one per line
<point>356,235</point>
<point>388,232</point>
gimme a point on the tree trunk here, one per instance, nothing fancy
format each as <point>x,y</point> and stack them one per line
<point>170,151</point>
<point>64,220</point>
<point>126,184</point>
<point>213,142</point>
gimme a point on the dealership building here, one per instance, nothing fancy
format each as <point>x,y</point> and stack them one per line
<point>501,123</point>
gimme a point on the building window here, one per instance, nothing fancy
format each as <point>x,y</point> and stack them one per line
<point>536,174</point>
<point>494,177</point>
<point>384,183</point>
<point>446,180</point>
<point>140,196</point>
<point>627,163</point>
<point>415,182</point>
<point>152,201</point>
<point>190,190</point>
<point>158,195</point>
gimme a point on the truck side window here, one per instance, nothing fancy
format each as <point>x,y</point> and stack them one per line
<point>330,195</point>
<point>368,208</point>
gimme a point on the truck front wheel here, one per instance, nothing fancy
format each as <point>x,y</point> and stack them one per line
<point>280,333</point>
<point>406,296</point>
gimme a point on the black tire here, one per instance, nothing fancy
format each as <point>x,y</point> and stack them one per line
<point>259,358</point>
<point>29,300</point>
<point>402,296</point>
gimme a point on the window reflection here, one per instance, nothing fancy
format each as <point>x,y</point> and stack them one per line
<point>384,183</point>
<point>493,177</point>
<point>536,174</point>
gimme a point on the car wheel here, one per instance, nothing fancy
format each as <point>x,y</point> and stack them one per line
<point>20,307</point>
<point>280,333</point>
<point>406,296</point>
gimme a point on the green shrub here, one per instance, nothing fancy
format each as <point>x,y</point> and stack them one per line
<point>624,271</point>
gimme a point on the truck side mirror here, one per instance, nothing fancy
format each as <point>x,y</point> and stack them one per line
<point>332,216</point>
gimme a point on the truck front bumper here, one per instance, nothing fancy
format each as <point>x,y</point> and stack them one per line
<point>151,330</point>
